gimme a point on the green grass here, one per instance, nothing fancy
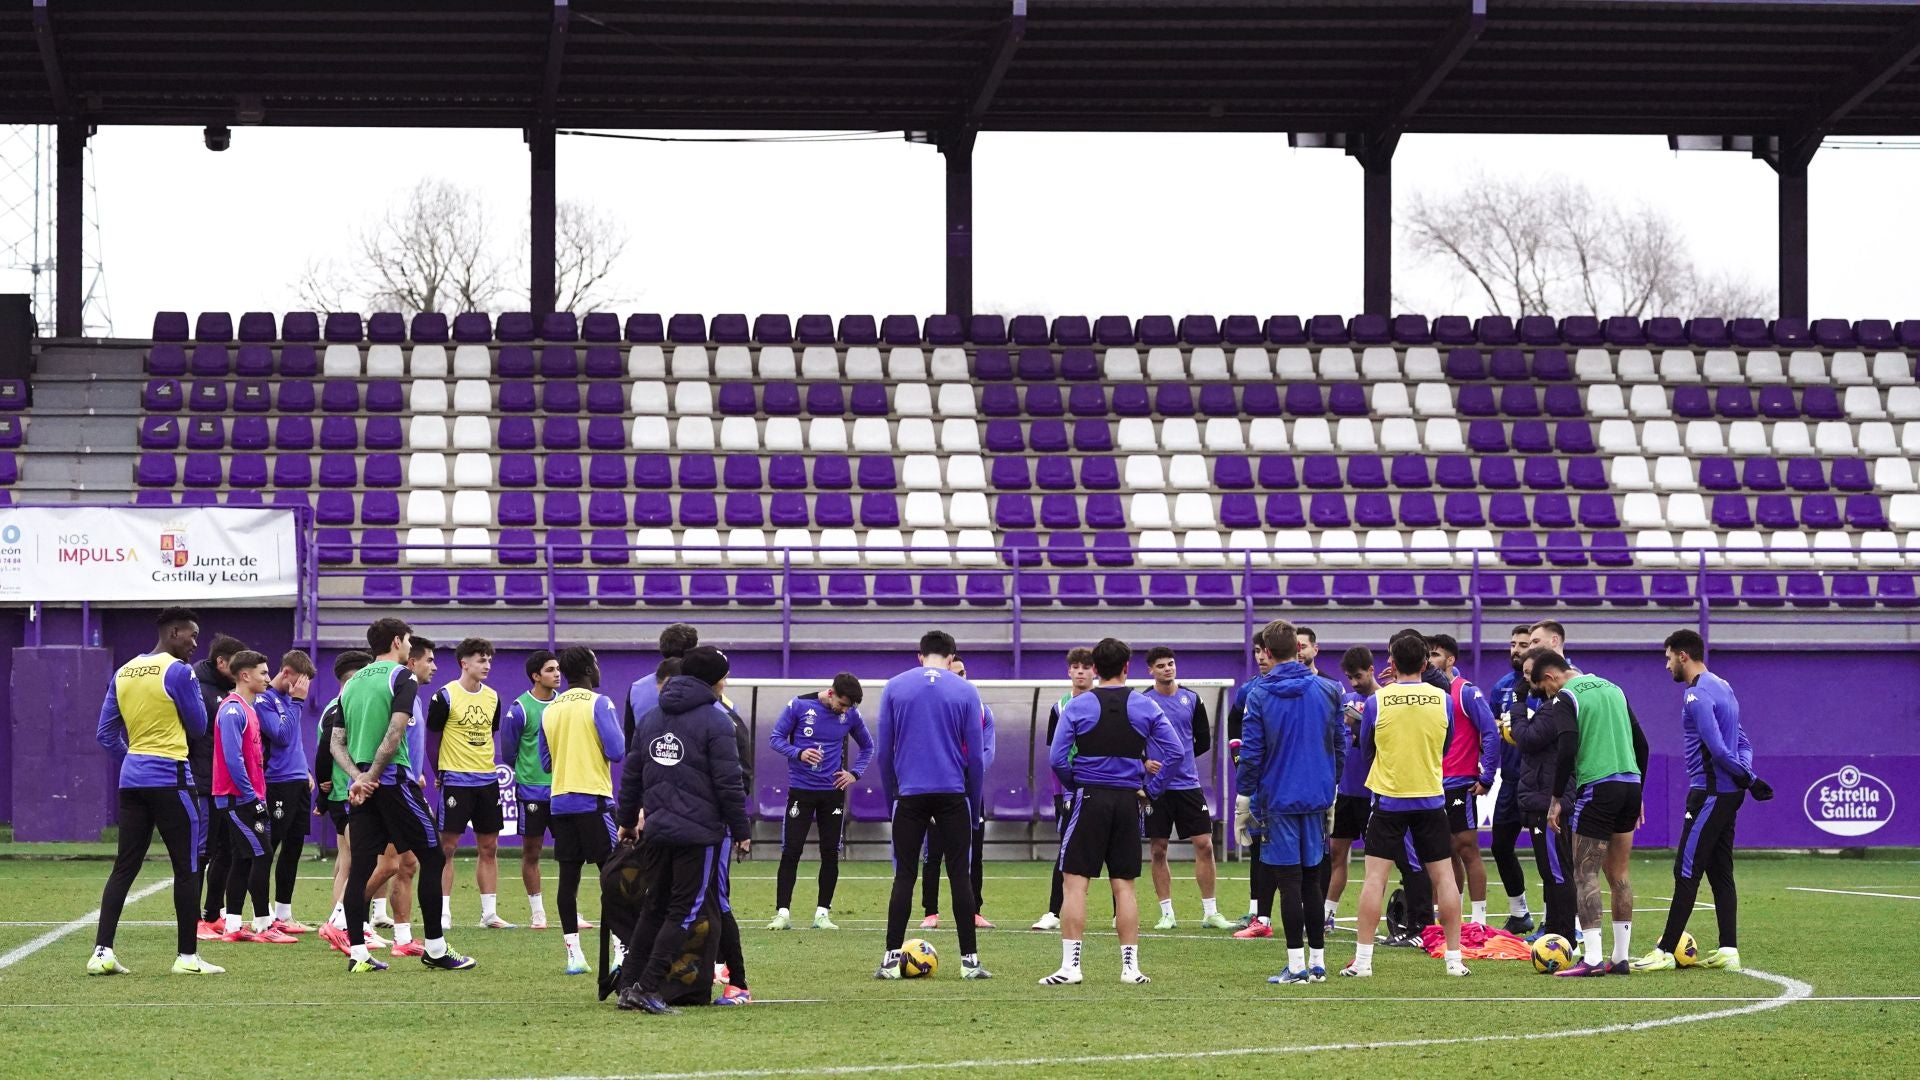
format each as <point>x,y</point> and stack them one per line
<point>290,1010</point>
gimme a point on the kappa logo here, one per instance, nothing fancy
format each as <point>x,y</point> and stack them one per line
<point>533,808</point>
<point>666,750</point>
<point>452,802</point>
<point>260,826</point>
<point>279,811</point>
<point>837,811</point>
<point>793,810</point>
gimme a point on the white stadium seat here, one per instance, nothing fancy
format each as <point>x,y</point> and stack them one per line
<point>1165,364</point>
<point>1892,369</point>
<point>1142,472</point>
<point>1432,399</point>
<point>1673,473</point>
<point>1629,473</point>
<point>471,506</point>
<point>1194,510</point>
<point>693,433</point>
<point>1135,434</point>
<point>643,362</point>
<point>1293,364</point>
<point>1863,403</point>
<point>1788,549</point>
<point>782,435</point>
<point>740,433</point>
<point>1149,510</point>
<point>1159,547</point>
<point>1660,437</point>
<point>1606,400</point>
<point>1593,365</point>
<point>1399,435</point>
<point>1764,367</point>
<point>1687,510</point>
<point>819,363</point>
<point>1188,472</point>
<point>1443,436</point>
<point>883,548</point>
<point>1339,547</point>
<point>977,548</point>
<point>1179,433</point>
<point>1311,435</point>
<point>425,547</point>
<point>647,398</point>
<point>924,510</point>
<point>1337,364</point>
<point>912,435</point>
<point>473,470</point>
<point>1390,399</point>
<point>426,507</point>
<point>427,432</point>
<point>1266,434</point>
<point>906,363</point>
<point>472,396</point>
<point>692,399</point>
<point>427,396</point>
<point>872,435</point>
<point>1379,364</point>
<point>920,472</point>
<point>794,546</point>
<point>1721,367</point>
<point>701,547</point>
<point>1251,364</point>
<point>957,436</point>
<point>1293,547</point>
<point>1654,547</point>
<point>1385,548</point>
<point>471,362</point>
<point>863,364</point>
<point>747,547</point>
<point>1807,368</point>
<point>930,547</point>
<point>472,433</point>
<point>1120,365</point>
<point>1355,435</point>
<point>426,470</point>
<point>1705,437</point>
<point>732,363</point>
<point>385,362</point>
<point>1207,364</point>
<point>472,546</point>
<point>1648,401</point>
<point>1679,366</point>
<point>1202,548</point>
<point>777,363</point>
<point>1223,435</point>
<point>966,472</point>
<point>827,435</point>
<point>1850,369</point>
<point>950,366</point>
<point>956,399</point>
<point>1423,364</point>
<point>689,362</point>
<point>968,510</point>
<point>340,362</point>
<point>650,433</point>
<point>839,547</point>
<point>1635,366</point>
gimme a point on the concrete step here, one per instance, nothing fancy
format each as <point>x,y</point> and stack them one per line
<point>90,476</point>
<point>69,362</point>
<point>84,433</point>
<point>54,397</point>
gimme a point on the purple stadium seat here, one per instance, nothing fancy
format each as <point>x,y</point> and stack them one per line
<point>1233,473</point>
<point>1012,512</point>
<point>381,471</point>
<point>1774,512</point>
<point>1418,510</point>
<point>166,361</point>
<point>1199,330</point>
<point>379,508</point>
<point>1283,511</point>
<point>1750,333</point>
<point>159,433</point>
<point>210,361</point>
<point>945,330</point>
<point>298,362</point>
<point>1850,474</point>
<point>1791,333</point>
<point>1283,330</point>
<point>1820,512</point>
<point>339,433</point>
<point>1730,512</point>
<point>386,397</point>
<point>831,472</point>
<point>780,399</point>
<point>1410,471</point>
<point>428,328</point>
<point>730,329</point>
<point>1035,365</point>
<point>1874,334</point>
<point>1328,510</point>
<point>559,362</point>
<point>516,508</point>
<point>1597,511</point>
<point>516,433</point>
<point>1027,330</point>
<point>1352,590</point>
<point>1506,510</point>
<point>208,396</point>
<point>301,326</point>
<point>813,330</point>
<point>1719,474</point>
<point>858,330</point>
<point>1498,474</point>
<point>1565,549</point>
<point>1530,437</point>
<point>1412,330</point>
<point>1154,330</point>
<point>206,433</point>
<point>1579,590</point>
<point>659,588</point>
<point>603,362</point>
<point>1453,330</point>
<point>999,399</point>
<point>1010,474</point>
<point>1821,403</point>
<point>514,326</point>
<point>518,471</point>
<point>1665,332</point>
<point>1067,549</point>
<point>1373,511</point>
<point>753,589</point>
<point>870,399</point>
<point>605,398</point>
<point>1761,474</point>
<point>1366,471</point>
<point>1465,365</point>
<point>1831,333</point>
<point>157,470</point>
<point>1508,365</point>
<point>1895,591</point>
<point>566,546</point>
<point>1708,333</point>
<point>607,472</point>
<point>338,396</point>
<point>741,472</point>
<point>826,399</point>
<point>210,326</point>
<point>343,327</point>
<point>1044,399</point>
<point>652,510</point>
<point>1347,399</point>
<point>474,589</point>
<point>560,397</point>
<point>1573,437</point>
<point>1454,471</point>
<point>1079,365</point>
<point>386,328</point>
<point>1277,473</point>
<point>1806,474</point>
<point>1487,437</point>
<point>1581,330</point>
<point>253,362</point>
<point>1168,589</point>
<point>1735,402</point>
<point>879,510</point>
<point>1091,436</point>
<point>607,547</point>
<point>1552,512</point>
<point>1495,330</point>
<point>258,326</point>
<point>900,330</point>
<point>292,471</point>
<point>1104,512</point>
<point>517,397</point>
<point>1110,330</point>
<point>1328,330</point>
<point>1072,330</point>
<point>1692,402</point>
<point>1306,590</point>
<point>1321,472</point>
<point>1610,549</point>
<point>1865,512</point>
<point>687,329</point>
<point>201,470</point>
<point>1477,400</point>
<point>1371,330</point>
<point>335,546</point>
<point>643,329</point>
<point>1463,511</point>
<point>877,473</point>
<point>697,471</point>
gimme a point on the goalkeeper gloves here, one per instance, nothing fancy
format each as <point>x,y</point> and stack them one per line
<point>1762,791</point>
<point>1243,820</point>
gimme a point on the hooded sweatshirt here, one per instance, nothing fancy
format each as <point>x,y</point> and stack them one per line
<point>684,769</point>
<point>1293,742</point>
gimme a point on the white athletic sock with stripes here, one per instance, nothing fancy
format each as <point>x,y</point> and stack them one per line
<point>1129,958</point>
<point>1317,958</point>
<point>1069,954</point>
<point>446,911</point>
<point>1166,909</point>
<point>1333,908</point>
<point>436,947</point>
<point>1479,911</point>
<point>232,922</point>
<point>379,910</point>
<point>261,922</point>
<point>1517,905</point>
<point>1296,959</point>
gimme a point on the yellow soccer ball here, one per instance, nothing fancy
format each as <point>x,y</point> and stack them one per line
<point>1687,952</point>
<point>1551,953</point>
<point>918,959</point>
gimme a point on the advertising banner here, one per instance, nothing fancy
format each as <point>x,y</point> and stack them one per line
<point>174,555</point>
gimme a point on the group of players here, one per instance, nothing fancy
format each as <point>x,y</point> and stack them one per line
<point>212,761</point>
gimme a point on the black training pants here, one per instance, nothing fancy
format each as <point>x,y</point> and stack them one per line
<point>1706,847</point>
<point>1553,857</point>
<point>1303,897</point>
<point>175,814</point>
<point>930,875</point>
<point>949,816</point>
<point>215,861</point>
<point>681,880</point>
<point>1513,876</point>
<point>805,809</point>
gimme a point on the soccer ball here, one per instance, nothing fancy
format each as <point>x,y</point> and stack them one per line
<point>918,960</point>
<point>1687,953</point>
<point>1552,953</point>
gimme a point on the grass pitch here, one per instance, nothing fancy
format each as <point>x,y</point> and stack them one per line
<point>1824,995</point>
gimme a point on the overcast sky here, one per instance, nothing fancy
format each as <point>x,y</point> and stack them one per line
<point>1093,224</point>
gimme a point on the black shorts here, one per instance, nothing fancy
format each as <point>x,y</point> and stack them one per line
<point>476,806</point>
<point>337,813</point>
<point>1104,831</point>
<point>290,805</point>
<point>394,814</point>
<point>1606,808</point>
<point>1184,813</point>
<point>1463,809</point>
<point>1062,812</point>
<point>1506,802</point>
<point>247,825</point>
<point>1350,816</point>
<point>1393,834</point>
<point>535,817</point>
<point>584,838</point>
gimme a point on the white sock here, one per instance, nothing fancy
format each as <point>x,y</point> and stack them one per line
<point>1363,956</point>
<point>1209,907</point>
<point>487,902</point>
<point>1622,940</point>
<point>1517,905</point>
<point>1264,920</point>
<point>1253,907</point>
<point>1317,958</point>
<point>101,950</point>
<point>436,947</point>
<point>785,914</point>
<point>538,905</point>
<point>446,910</point>
<point>1166,909</point>
<point>1069,954</point>
<point>379,909</point>
<point>1333,908</point>
<point>261,922</point>
<point>358,952</point>
<point>1129,958</point>
<point>1453,956</point>
<point>402,933</point>
<point>891,956</point>
<point>1296,959</point>
<point>818,912</point>
<point>971,959</point>
<point>189,957</point>
<point>572,942</point>
<point>1479,911</point>
<point>283,912</point>
<point>231,922</point>
<point>1590,946</point>
<point>339,916</point>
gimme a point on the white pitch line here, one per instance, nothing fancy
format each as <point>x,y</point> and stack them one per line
<point>80,923</point>
<point>1854,892</point>
<point>1792,990</point>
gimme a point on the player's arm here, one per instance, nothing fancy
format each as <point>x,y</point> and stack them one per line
<point>863,739</point>
<point>1566,745</point>
<point>889,745</point>
<point>183,688</point>
<point>1253,743</point>
<point>233,726</point>
<point>973,739</point>
<point>1641,751</point>
<point>782,738</point>
<point>729,782</point>
<point>438,710</point>
<point>1202,730</point>
<point>1060,748</point>
<point>1480,715</point>
<point>1337,738</point>
<point>506,743</point>
<point>1369,722</point>
<point>989,739</point>
<point>1163,744</point>
<point>606,723</point>
<point>111,733</point>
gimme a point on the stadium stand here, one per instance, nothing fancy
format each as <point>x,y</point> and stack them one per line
<point>879,461</point>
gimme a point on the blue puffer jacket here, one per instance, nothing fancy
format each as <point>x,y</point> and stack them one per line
<point>684,768</point>
<point>1292,742</point>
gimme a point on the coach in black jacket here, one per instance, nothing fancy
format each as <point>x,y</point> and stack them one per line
<point>684,772</point>
<point>1536,728</point>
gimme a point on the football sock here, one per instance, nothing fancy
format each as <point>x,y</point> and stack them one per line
<point>818,912</point>
<point>231,923</point>
<point>1069,954</point>
<point>261,922</point>
<point>1296,959</point>
<point>1363,954</point>
<point>446,910</point>
<point>891,956</point>
<point>785,914</point>
<point>1264,920</point>
<point>1317,958</point>
<point>379,909</point>
<point>1453,956</point>
<point>359,953</point>
<point>487,902</point>
<point>1479,911</point>
<point>1253,907</point>
<point>1129,958</point>
<point>1166,909</point>
<point>339,916</point>
<point>1333,908</point>
<point>1622,940</point>
<point>190,957</point>
<point>538,905</point>
<point>1209,907</point>
<point>283,912</point>
<point>572,941</point>
<point>1590,946</point>
<point>436,947</point>
<point>1517,905</point>
<point>402,933</point>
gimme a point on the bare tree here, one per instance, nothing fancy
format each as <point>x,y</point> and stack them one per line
<point>587,243</point>
<point>1551,247</point>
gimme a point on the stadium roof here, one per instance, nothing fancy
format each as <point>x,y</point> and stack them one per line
<point>1746,67</point>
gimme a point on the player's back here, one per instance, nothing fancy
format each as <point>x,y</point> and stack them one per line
<point>927,716</point>
<point>1710,703</point>
<point>152,719</point>
<point>1606,729</point>
<point>1409,736</point>
<point>367,705</point>
<point>573,743</point>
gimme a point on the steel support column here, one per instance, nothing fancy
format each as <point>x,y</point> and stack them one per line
<point>1376,242</point>
<point>958,151</point>
<point>540,257</point>
<point>70,299</point>
<point>1793,239</point>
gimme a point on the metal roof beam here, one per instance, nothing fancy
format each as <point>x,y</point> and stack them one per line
<point>1798,144</point>
<point>556,59</point>
<point>988,84</point>
<point>1406,102</point>
<point>50,59</point>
